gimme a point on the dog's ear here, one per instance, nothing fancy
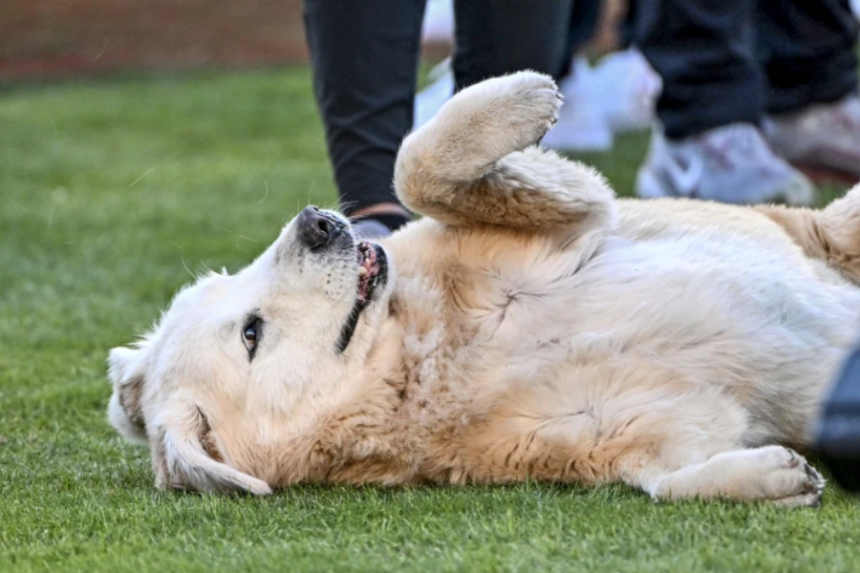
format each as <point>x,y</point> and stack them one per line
<point>125,411</point>
<point>181,461</point>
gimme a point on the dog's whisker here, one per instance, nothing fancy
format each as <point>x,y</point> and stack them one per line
<point>135,182</point>
<point>53,125</point>
<point>310,189</point>
<point>188,270</point>
<point>16,203</point>
<point>266,183</point>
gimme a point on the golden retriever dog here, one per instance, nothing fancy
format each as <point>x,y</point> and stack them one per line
<point>530,326</point>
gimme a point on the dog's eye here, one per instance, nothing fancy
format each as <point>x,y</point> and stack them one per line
<point>251,334</point>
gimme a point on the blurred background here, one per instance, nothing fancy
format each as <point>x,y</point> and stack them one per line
<point>46,39</point>
<point>142,142</point>
<point>65,38</point>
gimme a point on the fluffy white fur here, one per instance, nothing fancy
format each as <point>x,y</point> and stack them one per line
<point>531,327</point>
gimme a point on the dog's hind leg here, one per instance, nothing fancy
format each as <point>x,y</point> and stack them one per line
<point>475,163</point>
<point>831,234</point>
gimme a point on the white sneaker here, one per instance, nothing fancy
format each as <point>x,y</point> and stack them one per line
<point>619,95</point>
<point>438,24</point>
<point>433,97</point>
<point>822,140</point>
<point>627,87</point>
<point>368,229</point>
<point>730,164</point>
<point>581,125</point>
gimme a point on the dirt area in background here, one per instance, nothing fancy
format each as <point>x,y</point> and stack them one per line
<point>51,38</point>
<point>64,37</point>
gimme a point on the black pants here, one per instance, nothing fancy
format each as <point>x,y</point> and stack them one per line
<point>725,61</point>
<point>364,55</point>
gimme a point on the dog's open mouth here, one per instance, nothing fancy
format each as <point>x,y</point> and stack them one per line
<point>372,271</point>
<point>369,268</point>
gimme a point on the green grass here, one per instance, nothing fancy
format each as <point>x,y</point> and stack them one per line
<point>108,191</point>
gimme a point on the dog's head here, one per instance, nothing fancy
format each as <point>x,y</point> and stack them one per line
<point>240,365</point>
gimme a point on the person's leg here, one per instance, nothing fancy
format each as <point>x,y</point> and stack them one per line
<point>584,18</point>
<point>364,57</point>
<point>581,125</point>
<point>624,84</point>
<point>704,51</point>
<point>627,28</point>
<point>809,51</point>
<point>496,37</point>
<point>709,144</point>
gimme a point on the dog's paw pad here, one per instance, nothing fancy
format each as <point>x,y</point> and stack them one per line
<point>535,97</point>
<point>512,111</point>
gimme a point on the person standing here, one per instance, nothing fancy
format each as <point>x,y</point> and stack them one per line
<point>752,91</point>
<point>364,58</point>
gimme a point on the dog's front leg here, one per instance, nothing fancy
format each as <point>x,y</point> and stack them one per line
<point>475,163</point>
<point>772,473</point>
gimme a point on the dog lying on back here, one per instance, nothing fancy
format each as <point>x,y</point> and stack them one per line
<point>530,326</point>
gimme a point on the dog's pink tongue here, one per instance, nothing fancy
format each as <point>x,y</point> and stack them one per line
<point>369,270</point>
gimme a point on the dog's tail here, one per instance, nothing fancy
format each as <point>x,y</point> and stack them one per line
<point>831,234</point>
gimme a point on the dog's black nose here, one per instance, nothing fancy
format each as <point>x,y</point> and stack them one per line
<point>317,229</point>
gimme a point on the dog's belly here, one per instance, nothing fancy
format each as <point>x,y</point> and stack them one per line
<point>734,314</point>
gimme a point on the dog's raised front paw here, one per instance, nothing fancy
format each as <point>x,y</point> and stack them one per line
<point>528,104</point>
<point>504,114</point>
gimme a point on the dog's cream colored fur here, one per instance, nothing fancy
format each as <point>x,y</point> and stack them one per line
<point>531,326</point>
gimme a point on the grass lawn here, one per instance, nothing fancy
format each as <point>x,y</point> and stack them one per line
<point>110,192</point>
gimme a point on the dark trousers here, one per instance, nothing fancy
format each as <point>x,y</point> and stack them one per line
<point>584,19</point>
<point>725,61</point>
<point>364,55</point>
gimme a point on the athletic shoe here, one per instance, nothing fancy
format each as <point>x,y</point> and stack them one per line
<point>438,24</point>
<point>433,97</point>
<point>730,164</point>
<point>626,87</point>
<point>821,140</point>
<point>370,229</point>
<point>582,125</point>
